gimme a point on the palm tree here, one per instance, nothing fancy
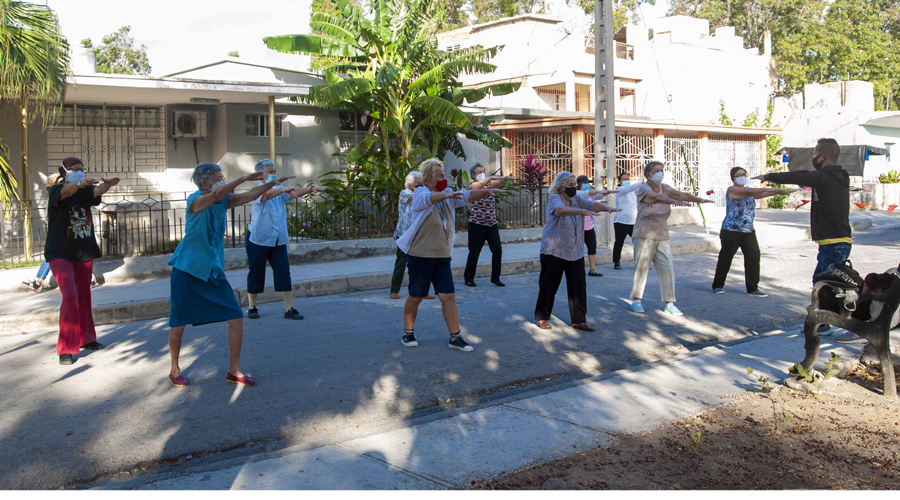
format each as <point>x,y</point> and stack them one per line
<point>388,63</point>
<point>34,60</point>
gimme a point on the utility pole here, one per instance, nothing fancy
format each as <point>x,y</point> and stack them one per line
<point>604,109</point>
<point>271,127</point>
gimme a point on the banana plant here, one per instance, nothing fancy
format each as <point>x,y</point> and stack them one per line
<point>389,64</point>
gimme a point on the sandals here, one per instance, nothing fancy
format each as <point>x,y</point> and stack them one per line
<point>544,325</point>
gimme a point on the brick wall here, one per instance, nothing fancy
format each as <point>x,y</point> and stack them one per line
<point>146,174</point>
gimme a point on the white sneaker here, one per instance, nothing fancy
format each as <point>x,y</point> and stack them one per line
<point>825,333</point>
<point>850,338</point>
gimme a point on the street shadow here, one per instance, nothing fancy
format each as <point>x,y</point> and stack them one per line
<point>341,374</point>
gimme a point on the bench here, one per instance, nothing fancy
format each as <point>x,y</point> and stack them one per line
<point>828,309</point>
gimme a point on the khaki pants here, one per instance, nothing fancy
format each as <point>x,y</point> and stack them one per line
<point>659,253</point>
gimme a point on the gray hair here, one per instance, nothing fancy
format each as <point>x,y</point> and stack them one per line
<point>560,182</point>
<point>472,170</point>
<point>204,172</point>
<point>649,167</point>
<point>410,178</point>
<point>428,168</point>
<point>262,165</point>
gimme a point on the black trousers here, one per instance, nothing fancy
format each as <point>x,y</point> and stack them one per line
<point>478,234</point>
<point>731,241</point>
<point>622,230</point>
<point>552,270</point>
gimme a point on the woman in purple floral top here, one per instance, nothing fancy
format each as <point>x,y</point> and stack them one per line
<point>738,232</point>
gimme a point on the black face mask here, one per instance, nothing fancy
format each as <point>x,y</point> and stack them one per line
<point>818,164</point>
<point>570,191</point>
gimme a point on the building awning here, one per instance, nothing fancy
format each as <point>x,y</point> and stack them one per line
<point>852,158</point>
<point>631,122</point>
<point>122,89</point>
<point>891,121</point>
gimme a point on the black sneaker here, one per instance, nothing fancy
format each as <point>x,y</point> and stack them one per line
<point>498,283</point>
<point>457,342</point>
<point>253,313</point>
<point>595,273</point>
<point>470,283</point>
<point>66,359</point>
<point>93,346</point>
<point>409,339</point>
<point>617,267</point>
<point>292,314</point>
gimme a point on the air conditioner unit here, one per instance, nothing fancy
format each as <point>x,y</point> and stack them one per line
<point>188,124</point>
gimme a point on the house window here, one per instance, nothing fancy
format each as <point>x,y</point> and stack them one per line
<point>257,125</point>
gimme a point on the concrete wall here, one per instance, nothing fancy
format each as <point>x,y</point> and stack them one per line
<point>306,152</point>
<point>11,134</point>
<point>182,157</point>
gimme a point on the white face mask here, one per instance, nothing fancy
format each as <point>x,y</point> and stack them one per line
<point>218,185</point>
<point>479,177</point>
<point>658,177</point>
<point>75,176</point>
<point>740,181</point>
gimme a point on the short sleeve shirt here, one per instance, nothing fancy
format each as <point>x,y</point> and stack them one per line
<point>652,218</point>
<point>268,220</point>
<point>201,252</point>
<point>563,237</point>
<point>70,227</point>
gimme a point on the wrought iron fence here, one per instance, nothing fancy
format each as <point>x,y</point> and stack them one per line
<point>134,225</point>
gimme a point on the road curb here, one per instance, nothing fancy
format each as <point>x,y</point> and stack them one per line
<point>157,309</point>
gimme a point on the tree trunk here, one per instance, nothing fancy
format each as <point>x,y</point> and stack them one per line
<point>26,189</point>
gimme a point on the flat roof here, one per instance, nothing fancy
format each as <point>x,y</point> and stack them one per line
<point>587,119</point>
<point>141,90</point>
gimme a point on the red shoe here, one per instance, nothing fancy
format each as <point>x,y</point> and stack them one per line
<point>179,381</point>
<point>245,380</point>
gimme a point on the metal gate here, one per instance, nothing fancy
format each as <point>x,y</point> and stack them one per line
<point>552,147</point>
<point>725,153</point>
<point>676,170</point>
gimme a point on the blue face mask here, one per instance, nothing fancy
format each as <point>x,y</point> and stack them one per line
<point>271,178</point>
<point>658,177</point>
<point>75,176</point>
<point>626,183</point>
<point>586,187</point>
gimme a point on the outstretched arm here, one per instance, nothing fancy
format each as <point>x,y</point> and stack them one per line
<point>807,179</point>
<point>651,197</point>
<point>682,196</point>
<point>758,193</point>
<point>211,198</point>
<point>244,198</point>
<point>298,192</point>
<point>600,207</point>
<point>478,194</point>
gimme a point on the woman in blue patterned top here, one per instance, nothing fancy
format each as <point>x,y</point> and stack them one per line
<point>200,294</point>
<point>737,231</point>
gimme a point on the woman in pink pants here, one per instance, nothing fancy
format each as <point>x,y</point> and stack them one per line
<point>71,249</point>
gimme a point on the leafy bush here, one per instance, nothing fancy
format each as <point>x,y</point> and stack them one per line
<point>892,177</point>
<point>777,201</point>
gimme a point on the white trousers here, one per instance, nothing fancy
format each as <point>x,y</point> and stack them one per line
<point>659,253</point>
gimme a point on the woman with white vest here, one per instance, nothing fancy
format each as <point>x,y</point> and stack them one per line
<point>651,236</point>
<point>624,221</point>
<point>428,243</point>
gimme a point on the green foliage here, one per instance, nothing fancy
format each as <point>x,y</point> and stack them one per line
<point>892,177</point>
<point>234,53</point>
<point>776,202</point>
<point>816,376</point>
<point>773,145</point>
<point>695,436</point>
<point>751,119</point>
<point>117,54</point>
<point>816,41</point>
<point>34,59</point>
<point>763,381</point>
<point>385,60</point>
<point>723,118</point>
<point>8,182</point>
<point>624,11</point>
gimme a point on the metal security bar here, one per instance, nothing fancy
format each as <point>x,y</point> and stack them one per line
<point>550,146</point>
<point>675,164</point>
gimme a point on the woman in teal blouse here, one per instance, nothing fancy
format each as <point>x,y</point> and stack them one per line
<point>200,294</point>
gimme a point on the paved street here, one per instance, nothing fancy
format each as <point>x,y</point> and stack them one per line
<point>343,371</point>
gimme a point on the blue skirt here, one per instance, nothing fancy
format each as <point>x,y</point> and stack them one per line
<point>198,302</point>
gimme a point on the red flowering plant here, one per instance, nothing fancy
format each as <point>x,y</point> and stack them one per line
<point>532,175</point>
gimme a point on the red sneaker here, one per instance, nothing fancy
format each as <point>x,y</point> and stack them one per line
<point>245,380</point>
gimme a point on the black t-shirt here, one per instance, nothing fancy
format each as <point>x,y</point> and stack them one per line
<point>70,230</point>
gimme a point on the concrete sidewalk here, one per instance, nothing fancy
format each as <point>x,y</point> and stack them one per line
<point>454,448</point>
<point>121,302</point>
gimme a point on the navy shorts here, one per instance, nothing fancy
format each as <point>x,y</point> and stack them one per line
<point>425,271</point>
<point>277,257</point>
